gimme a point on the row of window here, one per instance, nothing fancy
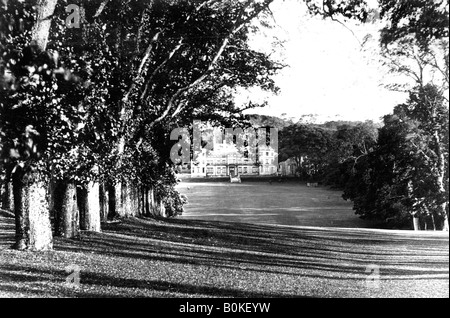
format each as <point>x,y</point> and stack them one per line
<point>230,161</point>
<point>223,161</point>
<point>223,170</point>
<point>241,170</point>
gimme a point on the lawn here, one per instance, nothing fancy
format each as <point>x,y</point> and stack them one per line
<point>263,203</point>
<point>198,258</point>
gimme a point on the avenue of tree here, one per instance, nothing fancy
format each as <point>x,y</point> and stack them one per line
<point>90,91</point>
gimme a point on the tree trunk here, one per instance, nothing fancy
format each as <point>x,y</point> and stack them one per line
<point>40,32</point>
<point>162,209</point>
<point>441,178</point>
<point>445,227</point>
<point>142,201</point>
<point>66,208</point>
<point>82,204</point>
<point>112,201</point>
<point>8,197</point>
<point>152,204</point>
<point>33,227</point>
<point>52,189</point>
<point>128,199</point>
<point>104,202</point>
<point>89,206</point>
<point>93,219</point>
<point>40,230</point>
<point>147,202</point>
<point>433,222</point>
<point>416,223</point>
<point>118,200</point>
<point>135,199</point>
<point>21,228</point>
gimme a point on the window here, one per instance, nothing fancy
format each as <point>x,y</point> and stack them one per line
<point>267,153</point>
<point>267,161</point>
<point>240,169</point>
<point>203,170</point>
<point>210,170</point>
<point>255,169</point>
<point>245,170</point>
<point>266,169</point>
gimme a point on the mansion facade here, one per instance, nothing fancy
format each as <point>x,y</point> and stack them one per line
<point>225,161</point>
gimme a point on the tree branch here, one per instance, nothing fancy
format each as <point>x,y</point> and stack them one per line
<point>239,24</point>
<point>101,8</point>
<point>171,54</point>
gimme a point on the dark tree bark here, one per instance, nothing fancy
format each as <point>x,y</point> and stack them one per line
<point>111,201</point>
<point>82,205</point>
<point>18,186</point>
<point>89,206</point>
<point>146,202</point>
<point>104,202</point>
<point>66,210</point>
<point>8,197</point>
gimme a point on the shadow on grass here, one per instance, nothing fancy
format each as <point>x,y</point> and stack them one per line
<point>328,253</point>
<point>27,275</point>
<point>265,249</point>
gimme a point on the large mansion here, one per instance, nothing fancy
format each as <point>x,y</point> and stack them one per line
<point>226,160</point>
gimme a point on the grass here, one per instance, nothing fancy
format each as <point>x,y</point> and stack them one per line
<point>192,258</point>
<point>263,203</point>
<point>285,240</point>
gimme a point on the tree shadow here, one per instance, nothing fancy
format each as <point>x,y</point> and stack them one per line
<point>89,280</point>
<point>261,248</point>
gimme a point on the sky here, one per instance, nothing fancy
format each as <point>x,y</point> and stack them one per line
<point>329,74</point>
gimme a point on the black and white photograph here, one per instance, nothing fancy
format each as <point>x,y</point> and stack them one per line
<point>218,157</point>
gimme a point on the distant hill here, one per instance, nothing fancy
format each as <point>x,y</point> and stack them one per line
<point>280,123</point>
<point>268,121</point>
<point>333,125</point>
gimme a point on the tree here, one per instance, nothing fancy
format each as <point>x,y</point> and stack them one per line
<point>352,142</point>
<point>308,145</point>
<point>97,103</point>
<point>404,178</point>
<point>33,229</point>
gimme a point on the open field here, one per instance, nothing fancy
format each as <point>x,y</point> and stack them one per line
<point>195,258</point>
<point>263,203</point>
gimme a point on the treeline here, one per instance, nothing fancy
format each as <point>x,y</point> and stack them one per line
<point>399,172</point>
<point>90,92</point>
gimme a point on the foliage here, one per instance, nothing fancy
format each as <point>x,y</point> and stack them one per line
<point>99,103</point>
<point>308,145</point>
<point>407,173</point>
